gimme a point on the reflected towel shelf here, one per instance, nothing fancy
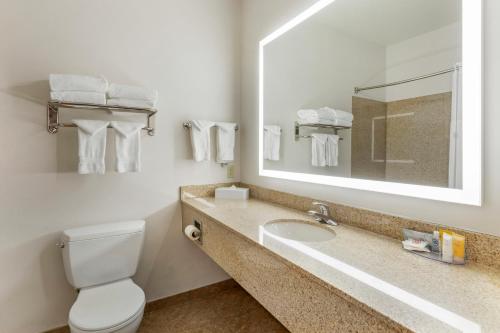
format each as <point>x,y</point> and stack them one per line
<point>335,128</point>
<point>53,123</point>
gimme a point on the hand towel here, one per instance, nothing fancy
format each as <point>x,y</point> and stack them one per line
<point>84,97</point>
<point>226,136</point>
<point>132,92</point>
<point>325,113</point>
<point>332,150</point>
<point>272,141</point>
<point>91,145</point>
<point>66,82</point>
<point>131,103</point>
<point>337,122</point>
<point>318,149</point>
<point>128,146</point>
<point>200,139</point>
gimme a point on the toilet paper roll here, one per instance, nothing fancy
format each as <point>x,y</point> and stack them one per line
<point>192,232</point>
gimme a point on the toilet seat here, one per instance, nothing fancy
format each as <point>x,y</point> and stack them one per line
<point>107,308</point>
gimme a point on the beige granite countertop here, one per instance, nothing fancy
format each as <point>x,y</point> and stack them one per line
<point>373,270</point>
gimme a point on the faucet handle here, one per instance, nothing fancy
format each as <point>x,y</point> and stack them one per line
<point>324,208</point>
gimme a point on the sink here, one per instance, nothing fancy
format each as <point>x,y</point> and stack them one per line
<point>298,230</point>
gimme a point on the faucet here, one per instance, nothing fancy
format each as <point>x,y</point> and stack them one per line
<point>323,216</point>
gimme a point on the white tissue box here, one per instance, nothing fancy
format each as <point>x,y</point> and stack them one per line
<point>234,193</point>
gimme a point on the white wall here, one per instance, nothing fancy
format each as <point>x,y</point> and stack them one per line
<point>428,53</point>
<point>261,17</point>
<point>187,49</point>
<point>310,67</point>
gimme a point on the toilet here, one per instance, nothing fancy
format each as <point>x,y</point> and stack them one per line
<point>99,262</point>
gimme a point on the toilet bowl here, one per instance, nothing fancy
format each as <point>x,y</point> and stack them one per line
<point>114,307</point>
<point>99,261</point>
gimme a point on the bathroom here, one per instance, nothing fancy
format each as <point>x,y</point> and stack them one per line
<point>210,60</point>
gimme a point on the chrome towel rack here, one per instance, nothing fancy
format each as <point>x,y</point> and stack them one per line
<point>187,125</point>
<point>335,128</point>
<point>53,123</point>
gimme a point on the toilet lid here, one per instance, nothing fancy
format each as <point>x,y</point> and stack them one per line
<point>106,306</point>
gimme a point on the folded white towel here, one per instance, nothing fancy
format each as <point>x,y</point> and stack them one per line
<point>84,97</point>
<point>128,146</point>
<point>200,139</point>
<point>323,114</point>
<point>226,136</point>
<point>332,150</point>
<point>338,122</point>
<point>91,145</point>
<point>272,141</point>
<point>318,149</point>
<point>131,103</point>
<point>132,92</point>
<point>67,82</point>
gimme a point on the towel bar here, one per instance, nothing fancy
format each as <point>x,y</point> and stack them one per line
<point>53,123</point>
<point>335,128</point>
<point>188,125</point>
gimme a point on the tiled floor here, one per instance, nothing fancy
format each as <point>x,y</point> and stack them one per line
<point>224,307</point>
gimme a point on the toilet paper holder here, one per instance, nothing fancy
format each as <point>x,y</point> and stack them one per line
<point>198,225</point>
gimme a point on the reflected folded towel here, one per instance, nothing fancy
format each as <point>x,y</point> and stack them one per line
<point>123,91</point>
<point>131,103</point>
<point>128,146</point>
<point>338,122</point>
<point>272,142</point>
<point>91,145</point>
<point>200,139</point>
<point>84,97</point>
<point>68,82</point>
<point>324,114</point>
<point>226,136</point>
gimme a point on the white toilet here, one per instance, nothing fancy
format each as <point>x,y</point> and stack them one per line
<point>99,261</point>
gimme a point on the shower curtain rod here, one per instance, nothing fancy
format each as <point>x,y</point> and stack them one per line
<point>449,70</point>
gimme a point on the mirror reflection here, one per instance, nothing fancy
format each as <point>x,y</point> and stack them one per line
<point>368,89</point>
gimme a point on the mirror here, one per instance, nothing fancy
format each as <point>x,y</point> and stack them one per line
<point>368,90</point>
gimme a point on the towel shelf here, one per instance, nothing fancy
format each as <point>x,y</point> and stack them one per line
<point>335,128</point>
<point>188,125</point>
<point>53,123</point>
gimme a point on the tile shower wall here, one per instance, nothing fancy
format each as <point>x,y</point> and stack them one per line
<point>418,140</point>
<point>402,141</point>
<point>368,139</point>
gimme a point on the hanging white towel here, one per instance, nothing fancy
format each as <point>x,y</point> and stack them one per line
<point>91,145</point>
<point>124,91</point>
<point>318,149</point>
<point>128,146</point>
<point>226,136</point>
<point>200,139</point>
<point>332,150</point>
<point>68,82</point>
<point>131,103</point>
<point>272,142</point>
<point>85,97</point>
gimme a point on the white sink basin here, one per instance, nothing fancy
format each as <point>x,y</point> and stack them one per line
<point>298,230</point>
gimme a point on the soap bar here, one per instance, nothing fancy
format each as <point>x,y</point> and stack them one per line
<point>235,193</point>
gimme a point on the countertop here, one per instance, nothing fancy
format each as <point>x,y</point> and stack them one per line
<point>373,270</point>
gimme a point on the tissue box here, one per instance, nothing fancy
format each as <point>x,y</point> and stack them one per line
<point>234,193</point>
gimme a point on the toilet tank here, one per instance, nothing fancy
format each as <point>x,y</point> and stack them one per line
<point>99,254</point>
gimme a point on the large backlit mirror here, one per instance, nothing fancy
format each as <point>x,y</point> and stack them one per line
<point>380,95</point>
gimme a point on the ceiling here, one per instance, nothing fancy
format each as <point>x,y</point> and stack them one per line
<point>387,22</point>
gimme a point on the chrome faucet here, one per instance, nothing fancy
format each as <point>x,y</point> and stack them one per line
<point>323,216</point>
